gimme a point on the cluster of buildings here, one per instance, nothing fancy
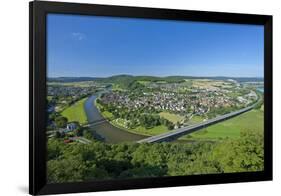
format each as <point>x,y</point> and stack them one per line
<point>182,103</point>
<point>63,96</point>
<point>70,127</point>
<point>65,91</point>
<point>248,98</point>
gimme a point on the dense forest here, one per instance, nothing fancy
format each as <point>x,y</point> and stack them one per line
<point>95,161</point>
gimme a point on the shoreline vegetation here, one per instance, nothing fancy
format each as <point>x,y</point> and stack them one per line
<point>109,117</point>
<point>120,123</point>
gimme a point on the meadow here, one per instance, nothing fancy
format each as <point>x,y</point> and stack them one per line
<point>76,112</point>
<point>174,118</point>
<point>121,123</point>
<point>232,128</point>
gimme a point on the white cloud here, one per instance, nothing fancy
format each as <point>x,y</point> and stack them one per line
<point>78,36</point>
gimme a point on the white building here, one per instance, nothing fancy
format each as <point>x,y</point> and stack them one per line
<point>71,126</point>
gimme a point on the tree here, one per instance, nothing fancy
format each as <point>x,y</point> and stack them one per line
<point>170,125</point>
<point>97,160</point>
<point>245,154</point>
<point>55,149</point>
<point>79,131</point>
<point>66,170</point>
<point>61,121</point>
<point>88,134</point>
<point>58,134</point>
<point>52,116</point>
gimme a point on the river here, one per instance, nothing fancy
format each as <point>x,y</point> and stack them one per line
<point>108,132</point>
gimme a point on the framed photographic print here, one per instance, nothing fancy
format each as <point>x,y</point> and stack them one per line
<point>130,97</point>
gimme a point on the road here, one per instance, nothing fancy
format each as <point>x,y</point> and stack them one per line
<point>80,139</point>
<point>172,135</point>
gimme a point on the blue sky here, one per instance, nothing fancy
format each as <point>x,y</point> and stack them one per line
<point>104,46</point>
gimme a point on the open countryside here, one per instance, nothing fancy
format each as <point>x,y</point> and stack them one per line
<point>118,112</point>
<point>165,116</point>
<point>143,98</point>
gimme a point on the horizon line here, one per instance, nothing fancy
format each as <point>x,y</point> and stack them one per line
<point>154,76</point>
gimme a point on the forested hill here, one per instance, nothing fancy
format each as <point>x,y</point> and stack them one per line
<point>121,78</point>
<point>101,161</point>
<point>71,79</point>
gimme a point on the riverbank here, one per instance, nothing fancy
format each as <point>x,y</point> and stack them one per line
<point>119,123</point>
<point>107,131</point>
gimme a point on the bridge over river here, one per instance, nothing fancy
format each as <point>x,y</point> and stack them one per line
<point>173,135</point>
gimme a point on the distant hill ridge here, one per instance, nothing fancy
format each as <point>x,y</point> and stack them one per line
<point>124,77</point>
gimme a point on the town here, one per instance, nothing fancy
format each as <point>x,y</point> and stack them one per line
<point>142,106</point>
<point>201,99</point>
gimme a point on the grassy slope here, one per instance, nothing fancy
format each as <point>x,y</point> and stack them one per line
<point>174,118</point>
<point>252,120</point>
<point>76,112</point>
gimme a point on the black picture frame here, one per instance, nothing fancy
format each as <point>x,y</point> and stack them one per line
<point>37,96</point>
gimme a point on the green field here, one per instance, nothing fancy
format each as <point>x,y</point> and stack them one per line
<point>196,119</point>
<point>75,84</point>
<point>76,112</point>
<point>174,118</point>
<point>252,120</point>
<point>116,87</point>
<point>153,131</point>
<point>121,123</point>
<point>144,82</point>
<point>107,115</point>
